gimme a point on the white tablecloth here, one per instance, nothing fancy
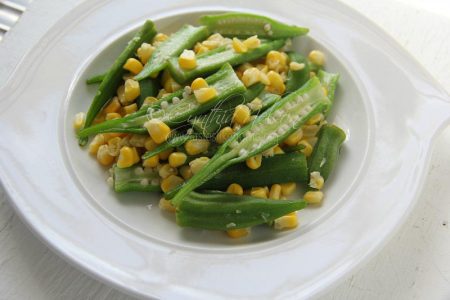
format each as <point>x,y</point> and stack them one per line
<point>415,264</point>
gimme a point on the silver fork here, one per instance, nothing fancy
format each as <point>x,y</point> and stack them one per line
<point>10,12</point>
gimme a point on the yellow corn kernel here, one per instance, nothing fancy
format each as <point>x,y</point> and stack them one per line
<point>312,74</point>
<point>252,42</point>
<point>160,37</point>
<point>112,116</point>
<point>241,114</point>
<point>111,135</point>
<point>310,130</point>
<point>276,85</point>
<point>198,83</point>
<point>215,37</point>
<point>235,189</point>
<point>103,156</point>
<point>151,162</point>
<point>204,95</point>
<point>98,140</point>
<point>158,130</point>
<point>277,150</point>
<point>186,172</point>
<point>288,188</point>
<point>198,163</point>
<point>166,170</point>
<point>79,120</point>
<point>187,59</point>
<point>316,180</point>
<point>177,159</point>
<point>317,57</point>
<point>256,104</point>
<point>313,197</point>
<point>294,138</point>
<point>196,146</point>
<point>263,68</point>
<point>129,109</point>
<point>128,156</point>
<point>243,67</point>
<point>315,119</point>
<point>150,144</point>
<point>251,76</point>
<point>325,91</point>
<point>166,205</point>
<point>171,85</point>
<point>174,86</point>
<point>295,66</point>
<point>211,44</point>
<point>132,90</point>
<point>170,182</point>
<point>224,134</point>
<point>259,192</point>
<point>239,46</point>
<point>307,150</point>
<point>133,65</point>
<point>254,162</point>
<point>288,221</point>
<point>149,100</point>
<point>276,61</point>
<point>165,76</point>
<point>238,233</point>
<point>137,140</point>
<point>165,154</point>
<point>144,52</point>
<point>199,48</point>
<point>113,106</point>
<point>114,146</point>
<point>121,94</point>
<point>275,192</point>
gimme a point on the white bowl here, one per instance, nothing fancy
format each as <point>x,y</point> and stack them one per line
<point>389,107</point>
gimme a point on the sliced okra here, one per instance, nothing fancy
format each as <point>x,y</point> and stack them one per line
<point>245,24</point>
<point>184,38</point>
<point>269,129</point>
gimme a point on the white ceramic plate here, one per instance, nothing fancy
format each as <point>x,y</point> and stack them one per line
<point>390,108</point>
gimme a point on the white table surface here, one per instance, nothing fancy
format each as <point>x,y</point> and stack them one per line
<point>415,264</point>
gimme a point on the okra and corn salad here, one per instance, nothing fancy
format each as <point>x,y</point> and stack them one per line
<point>223,118</point>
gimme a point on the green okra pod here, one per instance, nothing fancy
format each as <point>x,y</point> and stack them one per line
<point>326,151</point>
<point>95,79</point>
<point>210,62</point>
<point>113,77</point>
<point>171,143</point>
<point>184,38</point>
<point>245,24</point>
<point>297,78</point>
<point>279,168</point>
<point>135,179</point>
<point>149,88</point>
<point>329,82</point>
<point>223,211</point>
<point>282,168</point>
